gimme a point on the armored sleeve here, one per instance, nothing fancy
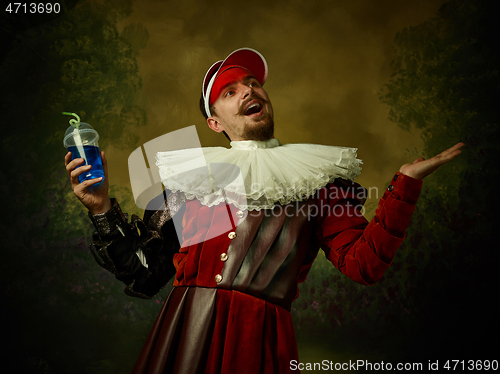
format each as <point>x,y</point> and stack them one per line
<point>139,253</point>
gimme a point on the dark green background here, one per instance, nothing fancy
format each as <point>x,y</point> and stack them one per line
<point>134,70</point>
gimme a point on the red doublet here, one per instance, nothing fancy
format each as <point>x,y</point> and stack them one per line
<point>229,310</point>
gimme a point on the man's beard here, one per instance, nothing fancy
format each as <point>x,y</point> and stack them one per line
<point>262,130</point>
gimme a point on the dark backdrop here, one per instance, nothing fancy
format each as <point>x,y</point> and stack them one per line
<point>134,70</point>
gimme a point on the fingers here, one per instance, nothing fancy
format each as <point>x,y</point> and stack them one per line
<point>453,151</point>
<point>67,159</point>
<point>449,154</point>
<point>421,167</point>
<point>79,171</point>
<point>104,164</point>
<point>81,189</point>
<point>458,146</point>
<point>73,170</point>
<point>71,165</point>
<point>95,198</point>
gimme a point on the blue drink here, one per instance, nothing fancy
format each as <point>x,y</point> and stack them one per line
<point>93,157</point>
<point>81,140</point>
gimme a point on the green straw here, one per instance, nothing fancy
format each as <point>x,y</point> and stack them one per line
<point>73,122</point>
<point>76,135</point>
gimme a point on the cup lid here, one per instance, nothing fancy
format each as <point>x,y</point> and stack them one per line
<point>87,134</point>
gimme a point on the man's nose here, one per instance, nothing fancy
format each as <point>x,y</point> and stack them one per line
<point>247,91</point>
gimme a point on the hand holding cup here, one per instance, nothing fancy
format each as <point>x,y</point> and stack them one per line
<point>95,198</point>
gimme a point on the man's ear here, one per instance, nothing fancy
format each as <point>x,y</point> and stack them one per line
<point>214,124</point>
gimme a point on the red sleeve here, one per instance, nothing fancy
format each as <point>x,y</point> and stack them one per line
<point>362,250</point>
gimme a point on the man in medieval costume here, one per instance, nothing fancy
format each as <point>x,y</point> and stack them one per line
<point>239,239</point>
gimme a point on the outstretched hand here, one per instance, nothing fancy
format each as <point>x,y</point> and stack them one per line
<point>421,167</point>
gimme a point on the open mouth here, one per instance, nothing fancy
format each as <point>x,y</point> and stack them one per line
<point>254,108</point>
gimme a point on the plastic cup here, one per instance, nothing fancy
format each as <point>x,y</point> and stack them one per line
<point>81,141</point>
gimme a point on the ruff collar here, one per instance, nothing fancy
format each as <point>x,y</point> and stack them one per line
<point>255,175</point>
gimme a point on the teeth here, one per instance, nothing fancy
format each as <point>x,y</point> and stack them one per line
<point>252,106</point>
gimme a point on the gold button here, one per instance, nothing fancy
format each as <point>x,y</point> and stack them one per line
<point>240,214</point>
<point>223,257</point>
<point>232,235</point>
<point>218,278</point>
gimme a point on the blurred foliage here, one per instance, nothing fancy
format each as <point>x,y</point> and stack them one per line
<point>66,313</point>
<point>437,299</point>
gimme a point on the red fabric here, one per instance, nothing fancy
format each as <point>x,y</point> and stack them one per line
<point>203,332</point>
<point>198,260</point>
<point>228,75</point>
<point>251,335</point>
<point>364,251</point>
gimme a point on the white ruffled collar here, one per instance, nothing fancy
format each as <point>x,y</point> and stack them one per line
<point>254,174</point>
<point>254,144</point>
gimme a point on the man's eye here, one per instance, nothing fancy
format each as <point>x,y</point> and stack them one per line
<point>228,93</point>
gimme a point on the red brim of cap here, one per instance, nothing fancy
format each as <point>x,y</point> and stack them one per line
<point>247,58</point>
<point>226,76</point>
